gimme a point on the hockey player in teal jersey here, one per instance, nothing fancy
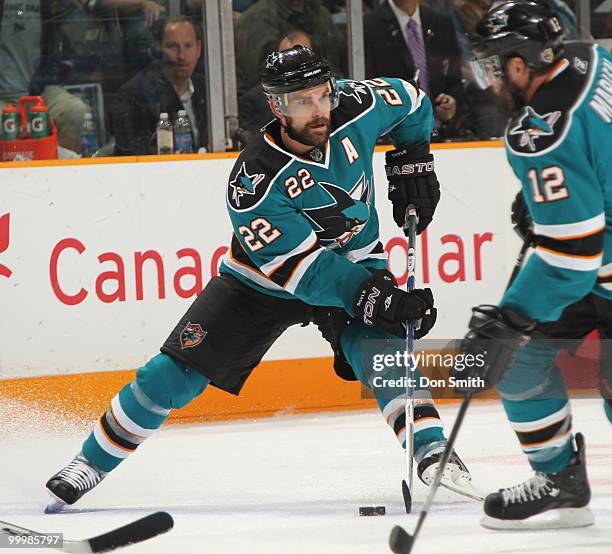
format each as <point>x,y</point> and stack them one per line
<point>559,146</point>
<point>305,249</point>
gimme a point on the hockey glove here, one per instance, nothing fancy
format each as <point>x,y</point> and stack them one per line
<point>412,180</point>
<point>379,302</point>
<point>495,336</point>
<point>520,217</point>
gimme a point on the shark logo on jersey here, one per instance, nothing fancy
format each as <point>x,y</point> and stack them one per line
<point>336,223</point>
<point>354,90</point>
<point>244,183</point>
<point>532,126</point>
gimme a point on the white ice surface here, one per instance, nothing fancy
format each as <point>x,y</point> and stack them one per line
<point>292,485</point>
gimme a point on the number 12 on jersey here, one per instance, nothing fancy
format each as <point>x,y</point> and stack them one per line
<point>551,188</point>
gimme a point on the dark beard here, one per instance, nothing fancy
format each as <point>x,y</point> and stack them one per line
<point>509,101</point>
<point>308,137</point>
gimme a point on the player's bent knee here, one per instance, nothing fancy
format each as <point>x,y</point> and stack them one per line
<point>169,383</point>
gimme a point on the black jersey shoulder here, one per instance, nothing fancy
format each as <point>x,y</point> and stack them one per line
<point>543,124</point>
<point>355,99</point>
<point>254,171</point>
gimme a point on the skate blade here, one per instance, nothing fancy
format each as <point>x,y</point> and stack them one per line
<point>565,518</point>
<point>457,481</point>
<point>462,488</point>
<point>55,504</point>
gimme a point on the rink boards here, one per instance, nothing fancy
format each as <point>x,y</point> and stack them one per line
<point>99,259</point>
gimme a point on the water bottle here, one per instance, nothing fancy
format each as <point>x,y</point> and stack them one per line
<point>183,140</point>
<point>89,137</point>
<point>10,123</point>
<point>39,121</point>
<point>165,141</point>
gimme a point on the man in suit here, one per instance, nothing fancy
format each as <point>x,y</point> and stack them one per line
<point>167,86</point>
<point>405,39</point>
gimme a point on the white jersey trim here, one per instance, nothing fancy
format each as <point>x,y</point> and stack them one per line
<point>364,253</point>
<point>301,268</point>
<point>565,261</point>
<point>275,263</point>
<point>570,114</point>
<point>572,230</point>
<point>250,275</point>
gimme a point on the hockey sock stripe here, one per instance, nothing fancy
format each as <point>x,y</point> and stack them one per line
<point>399,424</point>
<point>394,408</point>
<point>116,438</point>
<point>146,402</point>
<point>427,423</point>
<point>557,441</point>
<point>424,411</point>
<point>112,420</point>
<point>126,422</point>
<point>546,434</point>
<point>106,445</point>
<point>543,422</point>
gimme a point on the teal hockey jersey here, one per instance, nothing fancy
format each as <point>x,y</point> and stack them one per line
<point>306,227</point>
<point>560,147</point>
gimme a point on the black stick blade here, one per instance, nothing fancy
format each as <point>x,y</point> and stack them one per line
<point>407,496</point>
<point>145,528</point>
<point>400,541</point>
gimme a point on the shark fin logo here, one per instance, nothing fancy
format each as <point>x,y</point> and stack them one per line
<point>531,126</point>
<point>244,184</point>
<point>4,242</point>
<point>346,215</point>
<point>354,90</point>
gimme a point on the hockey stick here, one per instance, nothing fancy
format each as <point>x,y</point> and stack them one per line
<point>408,483</point>
<point>140,530</point>
<point>400,541</point>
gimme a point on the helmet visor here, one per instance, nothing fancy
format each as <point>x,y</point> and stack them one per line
<point>487,71</point>
<point>307,102</point>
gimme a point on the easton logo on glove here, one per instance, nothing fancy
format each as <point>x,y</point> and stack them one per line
<point>420,168</point>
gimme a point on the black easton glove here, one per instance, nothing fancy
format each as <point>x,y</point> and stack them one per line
<point>495,336</point>
<point>520,216</point>
<point>412,180</point>
<point>379,302</point>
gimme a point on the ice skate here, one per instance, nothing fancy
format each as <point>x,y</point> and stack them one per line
<point>546,501</point>
<point>456,475</point>
<point>71,483</point>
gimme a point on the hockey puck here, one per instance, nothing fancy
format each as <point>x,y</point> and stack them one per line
<point>372,511</point>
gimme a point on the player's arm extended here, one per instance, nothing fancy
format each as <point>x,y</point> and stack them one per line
<point>405,113</point>
<point>567,206</point>
<point>279,245</point>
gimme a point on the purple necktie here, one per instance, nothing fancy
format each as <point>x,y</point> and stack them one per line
<point>417,49</point>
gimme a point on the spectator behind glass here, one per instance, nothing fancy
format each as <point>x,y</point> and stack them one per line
<point>260,28</point>
<point>253,105</point>
<point>168,85</point>
<point>25,47</point>
<point>405,39</point>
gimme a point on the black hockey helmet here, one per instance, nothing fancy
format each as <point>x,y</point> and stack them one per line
<point>527,29</point>
<point>297,68</point>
